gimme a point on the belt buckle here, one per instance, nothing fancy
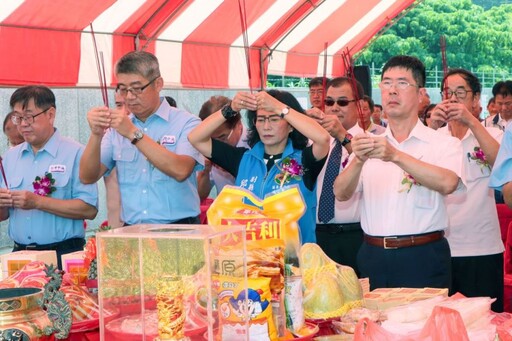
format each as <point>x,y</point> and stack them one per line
<point>386,247</point>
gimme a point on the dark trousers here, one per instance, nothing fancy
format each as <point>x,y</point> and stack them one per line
<point>61,248</point>
<point>341,242</point>
<point>427,265</point>
<point>479,276</point>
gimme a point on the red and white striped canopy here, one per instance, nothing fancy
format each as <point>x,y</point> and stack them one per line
<point>199,43</point>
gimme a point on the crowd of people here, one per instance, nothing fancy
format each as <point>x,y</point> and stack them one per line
<point>403,192</point>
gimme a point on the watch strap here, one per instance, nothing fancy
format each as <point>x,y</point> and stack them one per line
<point>228,112</point>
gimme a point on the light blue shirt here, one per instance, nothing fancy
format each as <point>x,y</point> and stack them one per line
<point>61,157</point>
<point>502,169</point>
<point>147,194</point>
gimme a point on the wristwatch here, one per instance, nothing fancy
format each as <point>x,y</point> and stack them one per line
<point>228,112</point>
<point>346,140</point>
<point>137,136</point>
<point>284,112</point>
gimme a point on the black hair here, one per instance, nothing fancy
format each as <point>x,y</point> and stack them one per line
<point>369,100</point>
<point>171,101</point>
<point>340,81</point>
<point>470,78</point>
<point>423,117</point>
<point>7,119</point>
<point>43,97</point>
<point>503,88</point>
<point>318,81</point>
<point>491,100</point>
<point>378,105</point>
<point>409,63</point>
<point>299,141</point>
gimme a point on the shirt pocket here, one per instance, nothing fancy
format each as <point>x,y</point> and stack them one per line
<point>476,171</point>
<point>127,169</point>
<point>423,197</point>
<point>62,185</point>
<point>15,183</point>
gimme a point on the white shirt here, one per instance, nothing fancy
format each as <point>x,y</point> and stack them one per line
<point>389,210</point>
<point>344,211</point>
<point>218,176</point>
<point>501,122</point>
<point>474,227</point>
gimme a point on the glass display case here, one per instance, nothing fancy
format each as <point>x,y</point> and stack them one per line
<point>160,282</point>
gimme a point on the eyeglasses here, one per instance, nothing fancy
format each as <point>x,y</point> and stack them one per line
<point>459,93</point>
<point>316,92</point>
<point>401,85</point>
<point>272,119</point>
<point>29,119</point>
<point>341,102</point>
<point>135,91</point>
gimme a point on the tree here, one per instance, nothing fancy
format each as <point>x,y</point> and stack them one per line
<point>477,39</point>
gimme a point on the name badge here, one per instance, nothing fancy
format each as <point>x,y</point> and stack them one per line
<point>57,169</point>
<point>168,139</point>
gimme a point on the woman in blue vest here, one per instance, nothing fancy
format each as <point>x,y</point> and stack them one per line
<point>279,132</point>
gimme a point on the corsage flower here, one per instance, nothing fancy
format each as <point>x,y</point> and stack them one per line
<point>43,186</point>
<point>479,157</point>
<point>407,182</point>
<point>290,169</point>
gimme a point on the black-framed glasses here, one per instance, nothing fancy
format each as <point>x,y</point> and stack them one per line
<point>459,93</point>
<point>29,119</point>
<point>340,101</point>
<point>272,119</point>
<point>135,91</point>
<point>401,85</point>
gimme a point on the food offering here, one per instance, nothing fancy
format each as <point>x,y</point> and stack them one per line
<point>159,278</point>
<point>273,242</point>
<point>171,309</point>
<point>331,290</point>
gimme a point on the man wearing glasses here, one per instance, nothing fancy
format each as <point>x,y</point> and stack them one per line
<point>403,176</point>
<point>474,235</point>
<point>155,163</point>
<point>231,132</point>
<point>46,214</point>
<point>502,92</point>
<point>316,91</point>
<point>338,230</point>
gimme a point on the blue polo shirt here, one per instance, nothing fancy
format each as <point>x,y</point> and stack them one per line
<point>502,168</point>
<point>60,156</point>
<point>147,194</point>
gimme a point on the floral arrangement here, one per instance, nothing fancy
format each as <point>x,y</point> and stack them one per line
<point>290,169</point>
<point>43,186</point>
<point>479,157</point>
<point>90,253</point>
<point>407,182</point>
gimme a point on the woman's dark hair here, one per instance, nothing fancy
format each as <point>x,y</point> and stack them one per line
<point>299,141</point>
<point>424,114</point>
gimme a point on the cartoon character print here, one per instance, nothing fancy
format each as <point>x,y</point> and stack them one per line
<point>252,306</point>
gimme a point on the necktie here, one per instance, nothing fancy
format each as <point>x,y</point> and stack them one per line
<point>326,204</point>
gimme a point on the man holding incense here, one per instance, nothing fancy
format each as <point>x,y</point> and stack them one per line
<point>43,198</point>
<point>338,230</point>
<point>155,163</point>
<point>403,176</point>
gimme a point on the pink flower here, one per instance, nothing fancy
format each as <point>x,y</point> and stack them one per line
<point>44,186</point>
<point>290,169</point>
<point>408,181</point>
<point>479,157</point>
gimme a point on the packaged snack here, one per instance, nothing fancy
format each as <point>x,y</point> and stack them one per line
<point>236,305</point>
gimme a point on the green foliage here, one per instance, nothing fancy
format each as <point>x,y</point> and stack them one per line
<point>476,38</point>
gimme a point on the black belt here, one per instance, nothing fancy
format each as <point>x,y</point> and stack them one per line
<point>398,242</point>
<point>73,243</point>
<point>338,228</point>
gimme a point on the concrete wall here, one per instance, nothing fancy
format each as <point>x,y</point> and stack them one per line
<point>73,104</point>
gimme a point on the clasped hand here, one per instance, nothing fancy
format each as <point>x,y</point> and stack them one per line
<point>372,147</point>
<point>447,111</point>
<point>18,199</point>
<point>102,118</point>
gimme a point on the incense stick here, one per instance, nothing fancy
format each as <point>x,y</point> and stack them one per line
<point>324,80</point>
<point>3,173</point>
<point>442,44</point>
<point>243,24</point>
<point>100,64</point>
<point>349,70</point>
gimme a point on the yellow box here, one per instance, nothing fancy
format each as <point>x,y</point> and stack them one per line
<point>14,261</point>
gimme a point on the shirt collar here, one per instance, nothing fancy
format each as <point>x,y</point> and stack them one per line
<point>51,146</point>
<point>163,111</point>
